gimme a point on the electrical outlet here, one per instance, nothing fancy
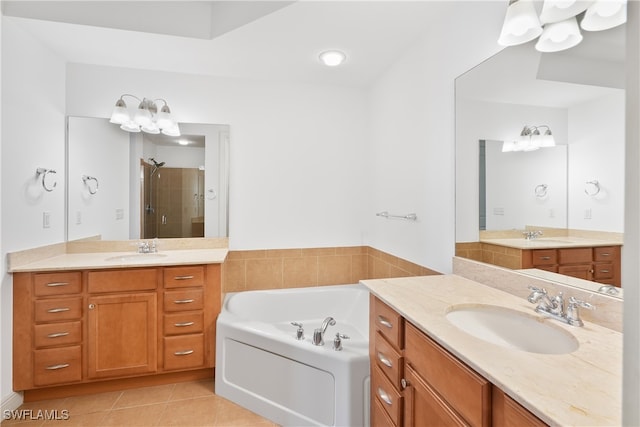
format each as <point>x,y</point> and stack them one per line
<point>119,214</point>
<point>78,217</point>
<point>587,214</point>
<point>46,219</point>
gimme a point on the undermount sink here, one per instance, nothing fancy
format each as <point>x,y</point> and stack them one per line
<point>136,257</point>
<point>512,329</point>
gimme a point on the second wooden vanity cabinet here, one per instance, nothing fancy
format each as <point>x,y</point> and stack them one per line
<point>79,327</point>
<point>416,382</point>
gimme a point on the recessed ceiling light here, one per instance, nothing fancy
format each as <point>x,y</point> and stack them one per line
<point>332,58</point>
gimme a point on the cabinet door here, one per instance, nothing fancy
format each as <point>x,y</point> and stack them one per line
<point>507,412</point>
<point>581,271</point>
<point>423,407</point>
<point>122,335</point>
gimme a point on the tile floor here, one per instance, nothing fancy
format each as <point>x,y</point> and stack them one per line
<point>182,404</point>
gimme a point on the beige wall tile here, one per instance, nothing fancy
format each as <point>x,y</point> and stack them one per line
<point>334,270</point>
<point>234,276</point>
<point>300,271</point>
<point>264,273</point>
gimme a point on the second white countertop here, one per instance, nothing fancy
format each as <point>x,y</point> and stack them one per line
<point>579,388</point>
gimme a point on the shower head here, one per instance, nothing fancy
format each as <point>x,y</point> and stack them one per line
<point>156,164</point>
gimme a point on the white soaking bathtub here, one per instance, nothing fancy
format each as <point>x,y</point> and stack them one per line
<point>261,366</point>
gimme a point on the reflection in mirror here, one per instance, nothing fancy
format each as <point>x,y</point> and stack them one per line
<point>149,185</point>
<point>579,93</point>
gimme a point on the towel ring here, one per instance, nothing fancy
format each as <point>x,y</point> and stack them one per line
<point>541,190</point>
<point>86,179</point>
<point>44,172</point>
<point>592,188</point>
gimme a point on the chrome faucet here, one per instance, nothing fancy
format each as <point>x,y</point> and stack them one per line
<point>554,307</point>
<point>530,235</point>
<point>318,334</point>
<point>146,247</point>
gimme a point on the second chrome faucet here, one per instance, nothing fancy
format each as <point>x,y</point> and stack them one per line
<point>555,306</point>
<point>318,334</point>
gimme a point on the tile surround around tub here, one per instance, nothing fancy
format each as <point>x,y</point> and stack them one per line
<point>293,268</point>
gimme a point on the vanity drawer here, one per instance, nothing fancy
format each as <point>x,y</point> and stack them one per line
<point>544,257</point>
<point>379,416</point>
<point>183,352</point>
<point>54,334</point>
<point>603,270</point>
<point>390,399</point>
<point>57,365</point>
<point>132,279</point>
<point>183,323</point>
<point>388,360</point>
<point>388,322</point>
<point>192,299</point>
<point>575,255</point>
<point>605,253</point>
<point>182,277</point>
<point>465,391</point>
<point>47,284</point>
<point>58,309</point>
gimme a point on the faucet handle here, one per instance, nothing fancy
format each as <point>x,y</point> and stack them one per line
<point>573,312</point>
<point>337,341</point>
<point>300,331</point>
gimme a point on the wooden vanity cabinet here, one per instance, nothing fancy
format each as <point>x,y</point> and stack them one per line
<point>79,327</point>
<point>600,264</point>
<point>416,382</point>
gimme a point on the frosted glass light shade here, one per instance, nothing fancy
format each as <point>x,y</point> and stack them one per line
<point>559,36</point>
<point>142,117</point>
<point>508,146</point>
<point>151,127</point>
<point>171,131</point>
<point>604,14</point>
<point>560,10</point>
<point>130,126</point>
<point>164,120</point>
<point>521,24</point>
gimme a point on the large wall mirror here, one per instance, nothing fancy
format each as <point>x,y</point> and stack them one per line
<point>579,94</point>
<point>124,185</point>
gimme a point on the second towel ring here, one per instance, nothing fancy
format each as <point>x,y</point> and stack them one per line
<point>44,172</point>
<point>86,179</point>
<point>592,188</point>
<point>541,190</point>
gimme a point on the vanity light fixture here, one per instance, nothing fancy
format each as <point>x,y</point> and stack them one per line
<point>557,25</point>
<point>332,58</point>
<point>145,118</point>
<point>531,139</point>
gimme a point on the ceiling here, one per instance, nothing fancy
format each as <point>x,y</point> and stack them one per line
<point>273,40</point>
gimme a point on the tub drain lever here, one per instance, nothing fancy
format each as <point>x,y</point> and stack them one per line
<point>337,341</point>
<point>300,331</point>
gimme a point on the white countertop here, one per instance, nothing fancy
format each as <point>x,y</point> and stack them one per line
<point>550,242</point>
<point>97,260</point>
<point>580,388</point>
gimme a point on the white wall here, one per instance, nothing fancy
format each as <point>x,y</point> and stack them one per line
<point>33,135</point>
<point>596,152</point>
<point>297,175</point>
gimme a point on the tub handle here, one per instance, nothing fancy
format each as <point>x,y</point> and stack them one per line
<point>384,396</point>
<point>183,301</point>
<point>299,331</point>
<point>385,360</point>
<point>183,353</point>
<point>384,322</point>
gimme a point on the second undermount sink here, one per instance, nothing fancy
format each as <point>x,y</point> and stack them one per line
<point>136,257</point>
<point>512,329</point>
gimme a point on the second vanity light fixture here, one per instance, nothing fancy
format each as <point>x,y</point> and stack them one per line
<point>531,138</point>
<point>557,25</point>
<point>146,117</point>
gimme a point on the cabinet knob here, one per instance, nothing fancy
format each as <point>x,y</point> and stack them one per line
<point>92,306</point>
<point>404,383</point>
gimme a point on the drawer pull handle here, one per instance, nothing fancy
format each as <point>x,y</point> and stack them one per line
<point>182,324</point>
<point>58,334</point>
<point>183,353</point>
<point>384,396</point>
<point>605,254</point>
<point>385,360</point>
<point>183,278</point>
<point>56,367</point>
<point>183,301</point>
<point>604,271</point>
<point>384,322</point>
<point>56,284</point>
<point>58,310</point>
<point>545,258</point>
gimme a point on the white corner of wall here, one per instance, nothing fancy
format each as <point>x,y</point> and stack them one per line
<point>11,402</point>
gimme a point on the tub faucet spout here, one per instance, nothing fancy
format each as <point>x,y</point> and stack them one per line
<point>318,334</point>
